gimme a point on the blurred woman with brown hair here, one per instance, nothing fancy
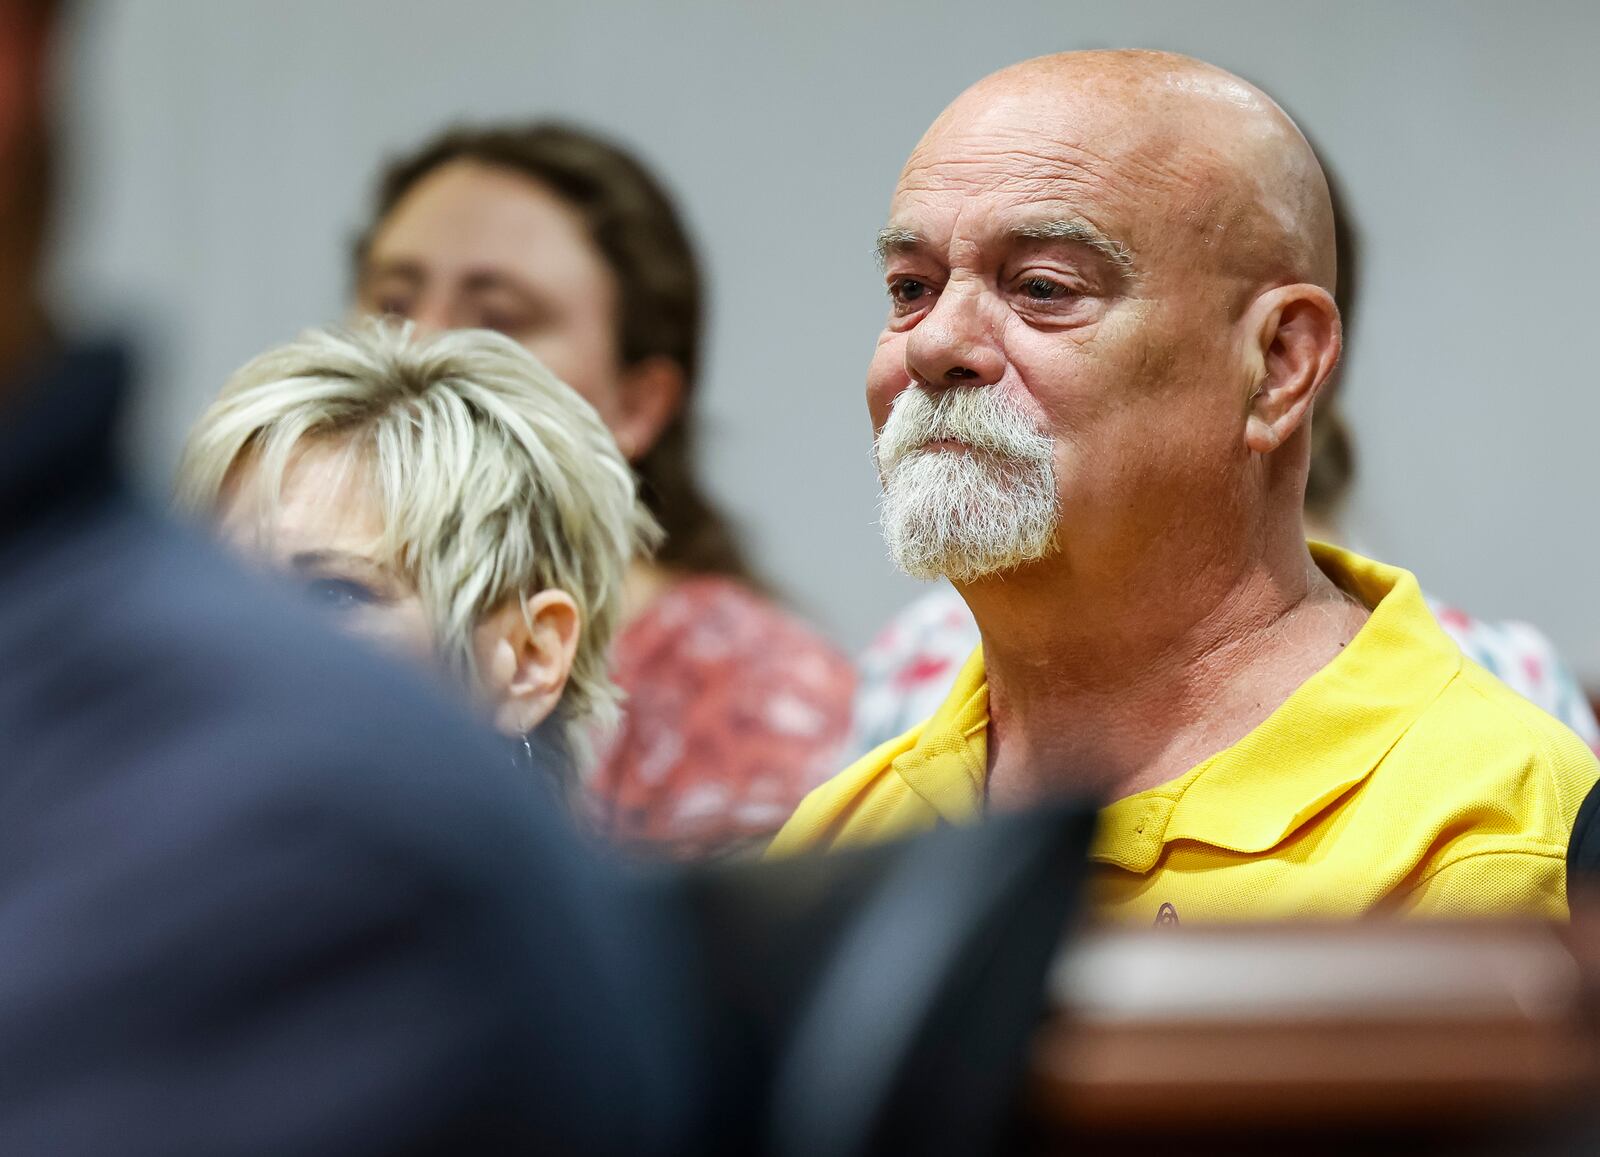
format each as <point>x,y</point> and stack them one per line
<point>565,243</point>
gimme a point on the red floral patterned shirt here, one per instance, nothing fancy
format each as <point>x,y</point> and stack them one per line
<point>734,711</point>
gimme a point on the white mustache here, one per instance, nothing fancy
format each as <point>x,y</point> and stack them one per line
<point>978,416</point>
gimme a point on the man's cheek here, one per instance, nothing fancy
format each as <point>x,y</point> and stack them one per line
<point>885,379</point>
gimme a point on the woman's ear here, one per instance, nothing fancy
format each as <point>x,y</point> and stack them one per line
<point>525,657</point>
<point>1296,348</point>
<point>649,396</point>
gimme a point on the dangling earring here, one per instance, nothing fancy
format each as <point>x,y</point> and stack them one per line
<point>520,751</point>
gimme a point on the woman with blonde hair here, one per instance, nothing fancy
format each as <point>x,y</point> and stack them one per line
<point>447,498</point>
<point>567,242</point>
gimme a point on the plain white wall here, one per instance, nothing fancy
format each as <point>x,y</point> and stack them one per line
<point>225,150</point>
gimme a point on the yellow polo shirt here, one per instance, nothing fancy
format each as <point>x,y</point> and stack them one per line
<point>1401,777</point>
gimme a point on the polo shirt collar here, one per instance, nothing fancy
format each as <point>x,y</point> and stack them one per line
<point>949,763</point>
<point>1322,741</point>
<point>1326,738</point>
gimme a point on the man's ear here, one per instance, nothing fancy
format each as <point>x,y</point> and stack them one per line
<point>1295,349</point>
<point>649,396</point>
<point>524,658</point>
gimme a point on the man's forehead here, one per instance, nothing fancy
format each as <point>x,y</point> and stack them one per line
<point>1046,167</point>
<point>1155,150</point>
<point>1054,126</point>
<point>1006,158</point>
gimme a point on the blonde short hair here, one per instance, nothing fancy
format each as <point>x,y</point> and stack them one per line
<point>494,478</point>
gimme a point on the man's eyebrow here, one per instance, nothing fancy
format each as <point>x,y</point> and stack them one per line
<point>894,239</point>
<point>1081,232</point>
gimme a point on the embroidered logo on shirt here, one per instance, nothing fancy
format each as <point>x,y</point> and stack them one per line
<point>1166,916</point>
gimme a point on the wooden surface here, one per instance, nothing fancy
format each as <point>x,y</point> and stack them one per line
<point>1461,1038</point>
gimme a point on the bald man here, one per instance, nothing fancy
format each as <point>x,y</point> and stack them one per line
<point>1110,279</point>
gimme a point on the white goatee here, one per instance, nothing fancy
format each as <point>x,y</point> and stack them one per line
<point>965,514</point>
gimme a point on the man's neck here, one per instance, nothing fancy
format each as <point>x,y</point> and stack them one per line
<point>1110,685</point>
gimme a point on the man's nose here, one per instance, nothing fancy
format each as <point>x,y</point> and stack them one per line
<point>956,344</point>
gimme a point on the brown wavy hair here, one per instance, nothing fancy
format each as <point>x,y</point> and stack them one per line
<point>660,291</point>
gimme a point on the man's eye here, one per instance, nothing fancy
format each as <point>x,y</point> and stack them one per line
<point>1043,289</point>
<point>906,292</point>
<point>340,594</point>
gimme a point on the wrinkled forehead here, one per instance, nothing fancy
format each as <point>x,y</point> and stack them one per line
<point>1141,176</point>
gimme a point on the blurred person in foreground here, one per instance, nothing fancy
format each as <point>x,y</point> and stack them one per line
<point>907,669</point>
<point>1111,280</point>
<point>263,893</point>
<point>733,709</point>
<point>448,499</point>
